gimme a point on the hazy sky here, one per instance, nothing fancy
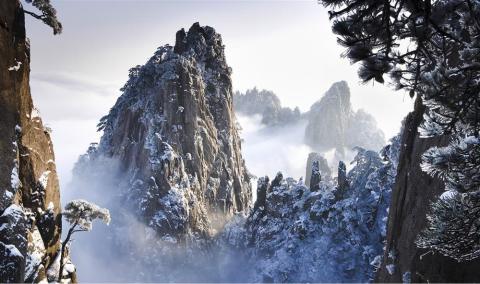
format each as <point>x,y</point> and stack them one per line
<point>284,46</point>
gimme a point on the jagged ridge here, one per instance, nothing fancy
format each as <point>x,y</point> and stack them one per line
<point>174,137</point>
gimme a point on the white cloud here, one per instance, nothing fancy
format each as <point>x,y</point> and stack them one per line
<point>71,105</point>
<point>61,96</point>
<point>268,151</point>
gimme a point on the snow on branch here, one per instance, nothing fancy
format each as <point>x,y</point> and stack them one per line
<point>82,213</point>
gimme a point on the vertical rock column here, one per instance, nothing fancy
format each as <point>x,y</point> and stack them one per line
<point>30,222</point>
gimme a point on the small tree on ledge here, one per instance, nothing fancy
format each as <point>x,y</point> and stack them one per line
<point>48,16</point>
<point>80,214</point>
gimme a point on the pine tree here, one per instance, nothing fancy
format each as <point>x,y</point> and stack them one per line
<point>431,49</point>
<point>48,16</point>
<point>80,214</point>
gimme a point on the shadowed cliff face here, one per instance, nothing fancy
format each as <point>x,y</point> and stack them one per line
<point>30,208</point>
<point>413,192</point>
<point>174,139</point>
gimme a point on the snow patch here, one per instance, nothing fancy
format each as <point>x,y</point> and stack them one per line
<point>36,252</point>
<point>34,113</point>
<point>15,67</point>
<point>449,194</point>
<point>12,251</point>
<point>407,277</point>
<point>168,152</point>
<point>43,180</point>
<point>14,178</point>
<point>390,268</point>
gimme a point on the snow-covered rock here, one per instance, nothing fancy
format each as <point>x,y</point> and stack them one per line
<point>169,162</point>
<point>173,134</point>
<point>331,233</point>
<point>323,167</point>
<point>332,123</point>
<point>28,178</point>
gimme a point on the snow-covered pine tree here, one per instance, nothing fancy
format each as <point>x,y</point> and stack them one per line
<point>432,49</point>
<point>80,214</point>
<point>338,224</point>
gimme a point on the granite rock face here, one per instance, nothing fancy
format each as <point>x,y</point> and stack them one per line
<point>30,220</point>
<point>332,123</point>
<point>412,195</point>
<point>174,140</point>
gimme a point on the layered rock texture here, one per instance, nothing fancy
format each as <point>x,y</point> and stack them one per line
<point>332,123</point>
<point>30,221</point>
<point>266,104</point>
<point>413,193</point>
<point>173,137</point>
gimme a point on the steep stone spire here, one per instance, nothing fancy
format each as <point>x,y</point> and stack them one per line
<point>262,187</point>
<point>342,180</point>
<point>316,177</point>
<point>174,136</point>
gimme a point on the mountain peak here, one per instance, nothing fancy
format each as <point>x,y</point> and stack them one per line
<point>339,92</point>
<point>334,124</point>
<point>203,42</point>
<point>173,134</point>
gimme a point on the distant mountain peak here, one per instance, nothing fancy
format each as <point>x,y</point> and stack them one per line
<point>334,124</point>
<point>340,90</point>
<point>268,105</point>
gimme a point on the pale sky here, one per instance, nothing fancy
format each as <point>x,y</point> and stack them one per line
<point>284,46</point>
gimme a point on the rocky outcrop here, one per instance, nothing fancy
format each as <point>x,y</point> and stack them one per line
<point>329,232</point>
<point>30,221</point>
<point>323,168</point>
<point>173,136</point>
<point>262,188</point>
<point>332,123</point>
<point>412,195</point>
<point>266,104</point>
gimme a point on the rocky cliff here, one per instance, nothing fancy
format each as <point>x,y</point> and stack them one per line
<point>30,222</point>
<point>173,137</point>
<point>412,195</point>
<point>332,123</point>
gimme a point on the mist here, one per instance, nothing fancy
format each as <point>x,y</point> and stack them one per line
<point>268,150</point>
<point>130,251</point>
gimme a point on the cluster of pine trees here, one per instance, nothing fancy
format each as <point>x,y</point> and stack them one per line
<point>432,49</point>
